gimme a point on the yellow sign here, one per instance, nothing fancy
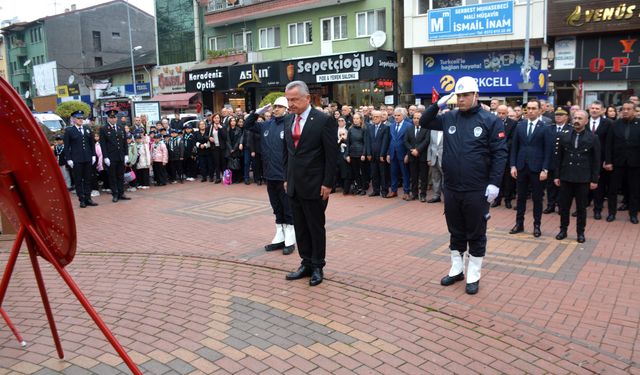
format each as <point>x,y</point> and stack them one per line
<point>620,12</point>
<point>447,83</point>
<point>63,91</point>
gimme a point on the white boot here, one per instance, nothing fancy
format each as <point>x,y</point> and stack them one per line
<point>278,240</point>
<point>473,274</point>
<point>456,270</point>
<point>289,239</point>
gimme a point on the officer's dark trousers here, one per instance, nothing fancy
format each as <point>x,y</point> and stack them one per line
<point>116,178</point>
<point>465,213</point>
<point>82,177</point>
<point>529,179</point>
<point>279,202</point>
<point>568,191</point>
<point>601,191</point>
<point>633,188</point>
<point>379,176</point>
<point>308,221</point>
<point>552,190</point>
<point>418,171</point>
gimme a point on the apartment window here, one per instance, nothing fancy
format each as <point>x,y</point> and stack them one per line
<point>369,22</point>
<point>300,33</point>
<point>270,37</point>
<point>97,61</point>
<point>97,43</point>
<point>35,35</point>
<point>139,78</point>
<point>334,28</point>
<point>115,35</point>
<point>242,41</point>
<point>218,43</point>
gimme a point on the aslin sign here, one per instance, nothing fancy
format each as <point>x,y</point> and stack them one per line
<point>587,17</point>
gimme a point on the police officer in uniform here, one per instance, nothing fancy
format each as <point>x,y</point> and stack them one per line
<point>473,162</point>
<point>115,154</point>
<point>273,149</point>
<point>577,170</point>
<point>81,155</point>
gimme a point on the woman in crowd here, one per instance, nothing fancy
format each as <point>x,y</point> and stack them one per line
<point>612,113</point>
<point>358,145</point>
<point>234,144</point>
<point>218,139</point>
<point>205,157</point>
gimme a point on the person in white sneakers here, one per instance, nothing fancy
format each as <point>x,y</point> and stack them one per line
<point>473,160</point>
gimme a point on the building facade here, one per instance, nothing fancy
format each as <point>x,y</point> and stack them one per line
<point>3,60</point>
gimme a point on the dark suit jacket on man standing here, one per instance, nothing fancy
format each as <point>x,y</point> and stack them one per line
<point>623,152</point>
<point>418,168</point>
<point>79,148</point>
<point>309,166</point>
<point>600,193</point>
<point>114,147</point>
<point>379,145</point>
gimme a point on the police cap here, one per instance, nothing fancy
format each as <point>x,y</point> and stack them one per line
<point>560,111</point>
<point>112,113</point>
<point>78,114</point>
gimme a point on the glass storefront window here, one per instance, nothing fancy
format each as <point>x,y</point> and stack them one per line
<point>358,93</point>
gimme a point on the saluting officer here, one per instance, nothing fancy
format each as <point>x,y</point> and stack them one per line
<point>81,155</point>
<point>577,168</point>
<point>115,153</point>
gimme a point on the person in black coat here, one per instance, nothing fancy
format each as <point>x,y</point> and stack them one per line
<point>508,186</point>
<point>416,141</point>
<point>204,147</point>
<point>115,154</point>
<point>175,147</point>
<point>376,155</point>
<point>234,149</point>
<point>80,155</point>
<point>357,141</point>
<point>577,169</point>
<point>218,136</point>
<point>600,126</point>
<point>560,125</point>
<point>58,151</point>
<point>254,143</point>
<point>190,153</point>
<point>311,152</point>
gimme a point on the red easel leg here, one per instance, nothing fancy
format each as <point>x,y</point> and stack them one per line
<point>13,257</point>
<point>45,298</point>
<point>13,328</point>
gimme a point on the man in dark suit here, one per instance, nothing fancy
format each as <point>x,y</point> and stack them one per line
<point>310,162</point>
<point>623,157</point>
<point>599,125</point>
<point>80,152</point>
<point>561,125</point>
<point>379,144</point>
<point>577,166</point>
<point>397,151</point>
<point>416,141</point>
<point>115,154</point>
<point>529,160</point>
<point>508,183</point>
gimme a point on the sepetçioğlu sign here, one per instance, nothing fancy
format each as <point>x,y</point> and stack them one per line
<point>343,67</point>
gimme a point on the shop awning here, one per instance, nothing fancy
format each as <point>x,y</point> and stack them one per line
<point>181,100</point>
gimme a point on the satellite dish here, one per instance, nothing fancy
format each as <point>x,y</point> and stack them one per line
<point>377,39</point>
<point>27,62</point>
<point>27,94</point>
<point>71,79</point>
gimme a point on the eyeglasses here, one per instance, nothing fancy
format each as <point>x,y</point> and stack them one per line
<point>532,108</point>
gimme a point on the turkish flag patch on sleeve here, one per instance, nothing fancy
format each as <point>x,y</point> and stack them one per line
<point>501,135</point>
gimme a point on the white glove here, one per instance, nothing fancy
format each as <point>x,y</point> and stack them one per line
<point>70,163</point>
<point>126,159</point>
<point>442,102</point>
<point>264,109</point>
<point>93,160</point>
<point>107,162</point>
<point>492,193</point>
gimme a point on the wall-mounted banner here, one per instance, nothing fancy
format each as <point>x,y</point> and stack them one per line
<point>565,55</point>
<point>256,75</point>
<point>495,61</point>
<point>493,18</point>
<point>210,79</point>
<point>141,89</point>
<point>343,67</point>
<point>489,82</point>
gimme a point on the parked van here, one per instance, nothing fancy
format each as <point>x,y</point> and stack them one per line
<point>52,121</point>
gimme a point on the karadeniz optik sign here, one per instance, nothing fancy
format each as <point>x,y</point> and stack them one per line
<point>207,80</point>
<point>493,18</point>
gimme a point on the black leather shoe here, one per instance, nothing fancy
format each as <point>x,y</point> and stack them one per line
<point>288,249</point>
<point>472,288</point>
<point>83,205</point>
<point>423,199</point>
<point>518,228</point>
<point>434,200</point>
<point>362,192</point>
<point>507,204</point>
<point>496,204</point>
<point>597,215</point>
<point>611,218</point>
<point>316,276</point>
<point>374,194</point>
<point>217,181</point>
<point>450,280</point>
<point>302,271</point>
<point>203,180</point>
<point>574,214</point>
<point>91,203</point>
<point>114,199</point>
<point>124,198</point>
<point>274,246</point>
<point>633,219</point>
<point>581,238</point>
<point>536,231</point>
<point>623,207</point>
<point>549,210</point>
<point>561,235</point>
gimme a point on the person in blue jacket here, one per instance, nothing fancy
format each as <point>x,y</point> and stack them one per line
<point>273,149</point>
<point>473,161</point>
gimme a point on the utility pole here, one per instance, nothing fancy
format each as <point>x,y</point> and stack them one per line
<point>404,57</point>
<point>526,85</point>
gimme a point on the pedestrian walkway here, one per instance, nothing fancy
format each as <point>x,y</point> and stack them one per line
<point>180,275</point>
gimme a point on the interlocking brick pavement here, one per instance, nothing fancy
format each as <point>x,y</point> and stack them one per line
<point>180,275</point>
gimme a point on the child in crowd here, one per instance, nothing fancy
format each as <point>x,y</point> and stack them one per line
<point>99,172</point>
<point>58,151</point>
<point>142,165</point>
<point>176,157</point>
<point>160,157</point>
<point>132,151</point>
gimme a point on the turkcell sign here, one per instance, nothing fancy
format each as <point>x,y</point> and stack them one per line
<point>493,18</point>
<point>336,77</point>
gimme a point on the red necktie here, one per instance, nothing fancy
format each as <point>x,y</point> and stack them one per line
<point>296,132</point>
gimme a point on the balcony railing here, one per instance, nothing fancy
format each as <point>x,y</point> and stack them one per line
<point>220,5</point>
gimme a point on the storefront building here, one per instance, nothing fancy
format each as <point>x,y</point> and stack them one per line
<point>596,51</point>
<point>212,83</point>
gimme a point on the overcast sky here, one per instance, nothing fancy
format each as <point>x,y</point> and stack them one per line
<point>29,10</point>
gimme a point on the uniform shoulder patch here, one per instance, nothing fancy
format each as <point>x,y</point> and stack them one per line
<point>501,135</point>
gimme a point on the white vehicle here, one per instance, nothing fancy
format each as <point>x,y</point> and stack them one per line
<point>52,121</point>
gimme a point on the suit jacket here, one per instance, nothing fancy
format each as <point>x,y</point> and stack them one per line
<point>419,142</point>
<point>434,152</point>
<point>554,136</point>
<point>397,149</point>
<point>534,151</point>
<point>313,163</point>
<point>113,142</point>
<point>509,127</point>
<point>379,142</point>
<point>602,132</point>
<point>623,143</point>
<point>79,146</point>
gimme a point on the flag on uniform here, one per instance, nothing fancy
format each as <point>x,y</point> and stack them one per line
<point>434,95</point>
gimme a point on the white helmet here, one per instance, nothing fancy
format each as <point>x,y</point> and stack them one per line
<point>466,84</point>
<point>282,101</point>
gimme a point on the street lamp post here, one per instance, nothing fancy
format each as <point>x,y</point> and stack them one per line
<point>131,50</point>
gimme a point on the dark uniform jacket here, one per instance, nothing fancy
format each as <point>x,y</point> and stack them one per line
<point>175,146</point>
<point>58,151</point>
<point>113,142</point>
<point>272,144</point>
<point>189,140</point>
<point>474,150</point>
<point>358,141</point>
<point>577,164</point>
<point>421,143</point>
<point>623,143</point>
<point>79,145</point>
<point>553,138</point>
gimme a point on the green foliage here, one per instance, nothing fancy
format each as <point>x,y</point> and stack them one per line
<point>65,109</point>
<point>212,54</point>
<point>270,98</point>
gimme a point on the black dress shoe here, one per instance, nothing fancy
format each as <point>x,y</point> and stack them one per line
<point>450,280</point>
<point>374,194</point>
<point>302,271</point>
<point>288,249</point>
<point>434,200</point>
<point>581,238</point>
<point>316,276</point>
<point>124,198</point>
<point>597,215</point>
<point>247,182</point>
<point>623,207</point>
<point>274,246</point>
<point>611,218</point>
<point>574,214</point>
<point>210,179</point>
<point>496,204</point>
<point>423,199</point>
<point>549,210</point>
<point>518,228</point>
<point>536,231</point>
<point>83,205</point>
<point>633,219</point>
<point>259,182</point>
<point>217,181</point>
<point>561,235</point>
<point>91,203</point>
<point>203,180</point>
<point>507,204</point>
<point>383,195</point>
<point>114,199</point>
<point>472,288</point>
<point>362,192</point>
